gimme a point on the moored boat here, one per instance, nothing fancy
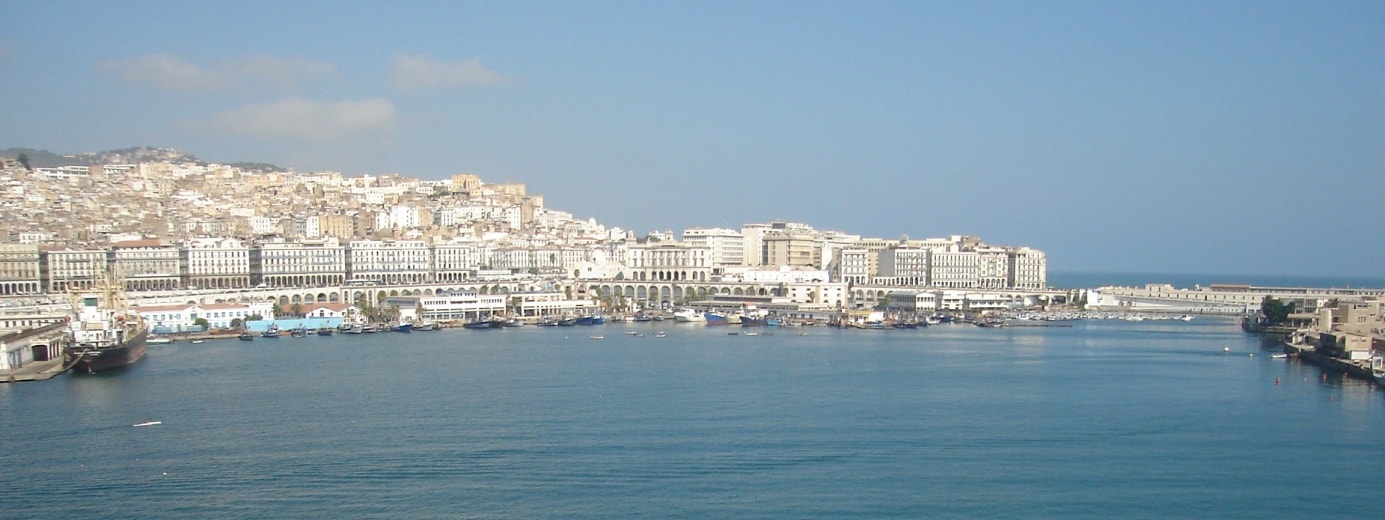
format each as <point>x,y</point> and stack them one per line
<point>105,333</point>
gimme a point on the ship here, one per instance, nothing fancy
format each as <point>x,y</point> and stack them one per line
<point>106,334</point>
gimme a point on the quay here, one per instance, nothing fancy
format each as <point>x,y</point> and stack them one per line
<point>1310,355</point>
<point>34,350</point>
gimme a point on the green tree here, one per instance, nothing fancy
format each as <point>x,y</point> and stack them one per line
<point>1276,312</point>
<point>202,322</point>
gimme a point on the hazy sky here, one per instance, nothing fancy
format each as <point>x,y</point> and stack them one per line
<point>1214,137</point>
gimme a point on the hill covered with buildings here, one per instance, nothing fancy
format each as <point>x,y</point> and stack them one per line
<point>168,221</point>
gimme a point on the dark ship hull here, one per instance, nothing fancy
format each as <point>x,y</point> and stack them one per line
<point>87,360</point>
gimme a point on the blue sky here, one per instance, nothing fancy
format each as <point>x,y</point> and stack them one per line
<point>1213,137</point>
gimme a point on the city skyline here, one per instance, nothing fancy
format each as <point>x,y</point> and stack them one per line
<point>1143,137</point>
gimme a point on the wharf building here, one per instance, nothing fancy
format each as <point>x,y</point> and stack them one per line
<point>229,263</point>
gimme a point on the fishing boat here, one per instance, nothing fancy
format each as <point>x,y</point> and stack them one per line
<point>106,334</point>
<point>246,336</point>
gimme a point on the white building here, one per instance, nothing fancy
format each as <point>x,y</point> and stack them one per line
<point>389,261</point>
<point>216,263</point>
<point>726,246</point>
<point>307,263</point>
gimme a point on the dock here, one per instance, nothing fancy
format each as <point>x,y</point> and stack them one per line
<point>1306,353</point>
<point>35,371</point>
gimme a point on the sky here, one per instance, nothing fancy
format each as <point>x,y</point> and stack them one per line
<point>1162,136</point>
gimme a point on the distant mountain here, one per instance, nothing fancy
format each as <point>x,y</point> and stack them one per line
<point>140,154</point>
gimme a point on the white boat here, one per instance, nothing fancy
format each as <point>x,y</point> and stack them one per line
<point>1378,369</point>
<point>1279,356</point>
<point>688,316</point>
<point>148,423</point>
<point>158,341</point>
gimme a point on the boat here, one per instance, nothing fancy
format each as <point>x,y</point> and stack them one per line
<point>403,327</point>
<point>714,318</point>
<point>298,332</point>
<point>198,342</point>
<point>105,333</point>
<point>158,341</point>
<point>324,331</point>
<point>426,326</point>
<point>354,329</point>
<point>1279,356</point>
<point>483,323</point>
<point>1378,369</point>
<point>246,336</point>
<point>688,316</point>
<point>148,423</point>
<point>272,332</point>
<point>598,336</point>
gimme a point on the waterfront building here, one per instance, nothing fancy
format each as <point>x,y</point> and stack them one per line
<point>792,247</point>
<point>225,315</point>
<point>992,267</point>
<point>753,243</point>
<point>546,304</point>
<point>953,268</point>
<point>903,265</point>
<point>779,275</point>
<point>390,261</point>
<point>852,266</point>
<point>1028,269</point>
<point>215,263</point>
<point>726,246</point>
<point>667,261</point>
<point>64,270</point>
<point>19,269</point>
<point>455,261</point>
<point>306,263</point>
<point>457,305</point>
<point>917,302</point>
<point>147,265</point>
<point>170,319</point>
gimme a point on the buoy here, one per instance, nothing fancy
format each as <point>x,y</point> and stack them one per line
<point>1252,354</point>
<point>1276,381</point>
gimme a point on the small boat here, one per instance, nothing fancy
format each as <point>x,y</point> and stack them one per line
<point>198,342</point>
<point>273,332</point>
<point>1279,356</point>
<point>324,331</point>
<point>158,341</point>
<point>298,332</point>
<point>660,334</point>
<point>246,336</point>
<point>598,336</point>
<point>148,423</point>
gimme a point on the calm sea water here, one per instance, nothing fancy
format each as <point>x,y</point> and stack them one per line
<point>1085,280</point>
<point>1107,419</point>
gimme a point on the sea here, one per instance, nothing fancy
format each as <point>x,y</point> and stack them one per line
<point>1089,419</point>
<point>1090,279</point>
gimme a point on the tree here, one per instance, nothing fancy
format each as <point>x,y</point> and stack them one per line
<point>1276,312</point>
<point>236,323</point>
<point>201,322</point>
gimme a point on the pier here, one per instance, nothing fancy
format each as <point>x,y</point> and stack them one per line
<point>36,353</point>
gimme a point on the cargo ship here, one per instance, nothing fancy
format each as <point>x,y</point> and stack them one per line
<point>106,334</point>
